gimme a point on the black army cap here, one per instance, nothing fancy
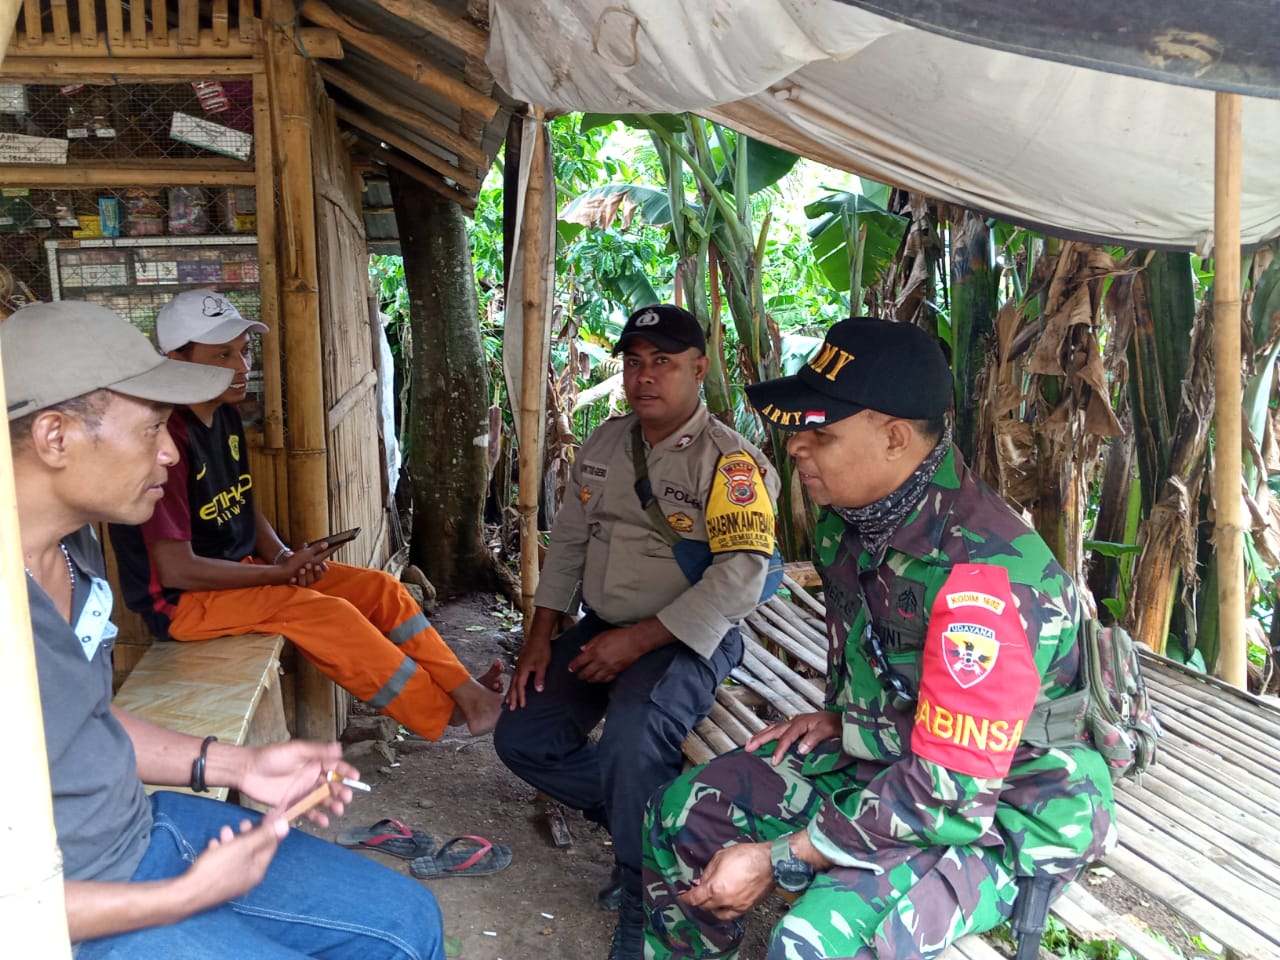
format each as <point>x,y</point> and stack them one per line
<point>670,328</point>
<point>863,364</point>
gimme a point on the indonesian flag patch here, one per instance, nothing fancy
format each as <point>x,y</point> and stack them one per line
<point>978,680</point>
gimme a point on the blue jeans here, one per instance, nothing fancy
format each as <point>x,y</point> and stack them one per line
<point>648,709</point>
<point>316,900</point>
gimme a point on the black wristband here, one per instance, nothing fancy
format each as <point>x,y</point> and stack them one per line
<point>197,767</point>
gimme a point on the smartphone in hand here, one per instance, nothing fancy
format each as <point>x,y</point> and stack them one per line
<point>335,540</point>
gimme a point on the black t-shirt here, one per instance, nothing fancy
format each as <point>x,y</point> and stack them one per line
<point>208,502</point>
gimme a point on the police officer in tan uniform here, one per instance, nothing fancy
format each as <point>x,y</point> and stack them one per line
<point>659,633</point>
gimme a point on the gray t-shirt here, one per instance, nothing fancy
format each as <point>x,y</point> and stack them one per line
<point>100,810</point>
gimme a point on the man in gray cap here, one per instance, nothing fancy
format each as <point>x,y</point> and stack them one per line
<point>167,875</point>
<point>664,535</point>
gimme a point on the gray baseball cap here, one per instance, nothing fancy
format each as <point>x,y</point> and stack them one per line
<point>54,352</point>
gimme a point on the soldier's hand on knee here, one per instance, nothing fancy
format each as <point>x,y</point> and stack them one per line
<point>735,880</point>
<point>806,729</point>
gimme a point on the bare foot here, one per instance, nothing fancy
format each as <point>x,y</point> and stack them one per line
<point>479,701</point>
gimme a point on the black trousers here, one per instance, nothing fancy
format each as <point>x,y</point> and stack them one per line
<point>648,709</point>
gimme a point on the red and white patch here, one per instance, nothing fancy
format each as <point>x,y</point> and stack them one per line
<point>815,416</point>
<point>739,477</point>
<point>684,441</point>
<point>978,680</point>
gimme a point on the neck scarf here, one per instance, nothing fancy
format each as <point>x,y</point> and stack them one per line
<point>876,522</point>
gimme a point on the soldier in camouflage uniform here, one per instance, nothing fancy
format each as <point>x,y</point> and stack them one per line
<point>905,811</point>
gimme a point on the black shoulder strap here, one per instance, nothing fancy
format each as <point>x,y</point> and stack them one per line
<point>644,490</point>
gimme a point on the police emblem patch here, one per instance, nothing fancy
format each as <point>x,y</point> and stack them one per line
<point>684,441</point>
<point>680,522</point>
<point>739,477</point>
<point>586,494</point>
<point>969,651</point>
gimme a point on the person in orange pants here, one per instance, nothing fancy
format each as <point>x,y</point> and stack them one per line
<point>208,563</point>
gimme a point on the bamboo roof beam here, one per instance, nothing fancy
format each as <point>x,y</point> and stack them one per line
<point>89,22</point>
<point>452,29</point>
<point>399,58</point>
<point>425,157</point>
<point>110,70</point>
<point>152,173</point>
<point>386,157</point>
<point>418,122</point>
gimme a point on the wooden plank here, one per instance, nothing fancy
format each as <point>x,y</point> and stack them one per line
<point>159,22</point>
<point>61,22</point>
<point>810,693</point>
<point>415,121</point>
<point>1178,797</point>
<point>1090,919</point>
<point>733,728</point>
<point>31,20</point>
<point>138,23</point>
<point>247,22</point>
<point>730,698</point>
<point>188,22</point>
<point>799,592</point>
<point>424,156</point>
<point>796,642</point>
<point>463,34</point>
<point>107,70</point>
<point>157,47</point>
<point>801,572</point>
<point>401,59</point>
<point>427,179</point>
<point>115,24</point>
<point>112,173</point>
<point>221,23</point>
<point>88,23</point>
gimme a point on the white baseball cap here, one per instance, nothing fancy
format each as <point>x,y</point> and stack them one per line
<point>54,352</point>
<point>200,316</point>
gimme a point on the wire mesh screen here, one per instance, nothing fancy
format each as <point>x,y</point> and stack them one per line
<point>129,121</point>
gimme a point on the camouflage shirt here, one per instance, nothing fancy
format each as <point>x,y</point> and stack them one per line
<point>978,619</point>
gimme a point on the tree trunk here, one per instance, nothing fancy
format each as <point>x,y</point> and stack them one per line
<point>973,310</point>
<point>448,396</point>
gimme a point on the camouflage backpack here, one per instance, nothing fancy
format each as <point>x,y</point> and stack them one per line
<point>1118,715</point>
<point>1111,708</point>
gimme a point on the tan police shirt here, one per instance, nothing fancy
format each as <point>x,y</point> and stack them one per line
<point>604,544</point>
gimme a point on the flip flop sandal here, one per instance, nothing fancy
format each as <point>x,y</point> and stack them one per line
<point>390,837</point>
<point>462,857</point>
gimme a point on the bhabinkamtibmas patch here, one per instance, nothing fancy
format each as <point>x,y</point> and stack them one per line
<point>739,511</point>
<point>978,681</point>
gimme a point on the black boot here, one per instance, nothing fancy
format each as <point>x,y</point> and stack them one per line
<point>628,933</point>
<point>608,897</point>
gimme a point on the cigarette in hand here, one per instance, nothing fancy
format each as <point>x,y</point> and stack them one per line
<point>347,781</point>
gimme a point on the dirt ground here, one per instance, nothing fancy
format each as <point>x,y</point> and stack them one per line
<point>541,907</point>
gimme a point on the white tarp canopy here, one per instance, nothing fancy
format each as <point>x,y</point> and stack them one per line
<point>1060,144</point>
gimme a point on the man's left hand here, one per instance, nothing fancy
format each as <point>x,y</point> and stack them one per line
<point>281,773</point>
<point>737,878</point>
<point>606,655</point>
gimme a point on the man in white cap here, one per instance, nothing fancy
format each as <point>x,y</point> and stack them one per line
<point>168,875</point>
<point>209,563</point>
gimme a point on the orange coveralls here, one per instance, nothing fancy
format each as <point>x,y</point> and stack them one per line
<point>360,627</point>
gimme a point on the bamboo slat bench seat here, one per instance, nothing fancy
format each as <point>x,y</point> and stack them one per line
<point>228,687</point>
<point>1198,835</point>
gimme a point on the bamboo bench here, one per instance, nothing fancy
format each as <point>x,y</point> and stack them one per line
<point>1198,835</point>
<point>228,687</point>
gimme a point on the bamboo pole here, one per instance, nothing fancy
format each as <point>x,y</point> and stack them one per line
<point>268,277</point>
<point>424,156</point>
<point>292,111</point>
<point>31,20</point>
<point>419,123</point>
<point>115,24</point>
<point>1229,512</point>
<point>138,24</point>
<point>159,21</point>
<point>61,22</point>
<point>89,22</point>
<point>401,59</point>
<point>536,261</point>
